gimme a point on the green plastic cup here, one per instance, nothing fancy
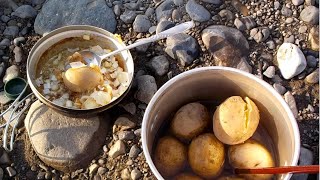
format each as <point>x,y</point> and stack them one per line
<point>14,87</point>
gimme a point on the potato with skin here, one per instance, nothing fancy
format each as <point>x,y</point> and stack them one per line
<point>230,178</point>
<point>187,176</point>
<point>235,120</point>
<point>206,155</point>
<point>170,156</point>
<point>251,154</point>
<point>190,121</point>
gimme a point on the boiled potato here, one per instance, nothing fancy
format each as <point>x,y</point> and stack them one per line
<point>82,79</point>
<point>230,178</point>
<point>187,176</point>
<point>170,156</point>
<point>206,155</point>
<point>251,154</point>
<point>235,120</point>
<point>190,121</point>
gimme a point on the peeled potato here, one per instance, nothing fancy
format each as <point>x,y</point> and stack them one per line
<point>251,154</point>
<point>170,156</point>
<point>235,120</point>
<point>82,79</point>
<point>187,176</point>
<point>190,121</point>
<point>206,155</point>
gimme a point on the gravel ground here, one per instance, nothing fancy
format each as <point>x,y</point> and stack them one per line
<point>281,19</point>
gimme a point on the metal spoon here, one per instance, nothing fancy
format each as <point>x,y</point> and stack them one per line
<point>91,57</point>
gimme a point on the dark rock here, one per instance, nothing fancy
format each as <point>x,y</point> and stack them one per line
<point>164,25</point>
<point>74,12</point>
<point>164,10</point>
<point>147,87</point>
<point>11,31</point>
<point>134,151</point>
<point>159,65</point>
<point>183,48</point>
<point>128,16</point>
<point>25,11</point>
<point>141,23</point>
<point>197,12</point>
<point>11,171</point>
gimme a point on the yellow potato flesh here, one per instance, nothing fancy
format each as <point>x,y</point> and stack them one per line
<point>82,79</point>
<point>206,155</point>
<point>251,154</point>
<point>235,120</point>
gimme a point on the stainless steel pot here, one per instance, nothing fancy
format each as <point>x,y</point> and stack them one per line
<point>219,83</point>
<point>75,31</point>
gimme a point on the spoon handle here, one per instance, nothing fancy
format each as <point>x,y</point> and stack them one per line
<point>311,169</point>
<point>169,32</point>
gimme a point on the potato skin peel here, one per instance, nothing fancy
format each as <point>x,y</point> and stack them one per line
<point>251,154</point>
<point>206,155</point>
<point>190,121</point>
<point>235,120</point>
<point>170,156</point>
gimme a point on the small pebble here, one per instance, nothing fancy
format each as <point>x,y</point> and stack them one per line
<point>135,174</point>
<point>279,88</point>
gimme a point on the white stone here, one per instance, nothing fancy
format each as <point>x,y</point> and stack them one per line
<point>291,60</point>
<point>117,149</point>
<point>11,72</point>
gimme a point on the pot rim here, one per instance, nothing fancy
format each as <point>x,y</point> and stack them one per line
<point>169,83</point>
<point>65,110</point>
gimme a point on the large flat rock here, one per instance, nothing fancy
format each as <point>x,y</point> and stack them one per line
<point>57,13</point>
<point>62,142</point>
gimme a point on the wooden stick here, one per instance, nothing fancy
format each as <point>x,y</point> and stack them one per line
<point>311,169</point>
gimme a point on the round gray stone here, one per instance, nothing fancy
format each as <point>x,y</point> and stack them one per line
<point>311,61</point>
<point>159,65</point>
<point>183,48</point>
<point>11,31</point>
<point>62,142</point>
<point>74,12</point>
<point>128,16</point>
<point>164,25</point>
<point>310,14</point>
<point>147,87</point>
<point>141,23</point>
<point>25,11</point>
<point>197,12</point>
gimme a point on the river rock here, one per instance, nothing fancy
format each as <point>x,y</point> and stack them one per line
<point>135,174</point>
<point>128,16</point>
<point>9,3</point>
<point>164,10</point>
<point>260,34</point>
<point>123,123</point>
<point>18,54</point>
<point>305,158</point>
<point>197,12</point>
<point>291,60</point>
<point>297,2</point>
<point>141,23</point>
<point>288,97</point>
<point>270,72</point>
<point>313,77</point>
<point>228,45</point>
<point>62,142</point>
<point>147,87</point>
<point>164,25</point>
<point>25,11</point>
<point>74,12</point>
<point>314,38</point>
<point>11,31</point>
<point>159,65</point>
<point>183,48</point>
<point>117,149</point>
<point>279,88</point>
<point>4,43</point>
<point>11,72</point>
<point>311,61</point>
<point>310,14</point>
<point>216,2</point>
